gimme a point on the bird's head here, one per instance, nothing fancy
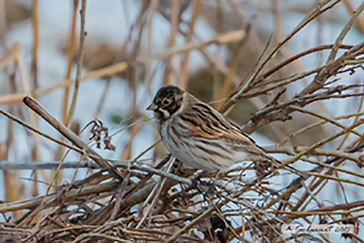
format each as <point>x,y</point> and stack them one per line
<point>166,102</point>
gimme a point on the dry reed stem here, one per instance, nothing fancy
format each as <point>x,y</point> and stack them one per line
<point>70,55</point>
<point>33,118</point>
<point>322,76</point>
<point>122,66</point>
<point>54,199</point>
<point>319,123</point>
<point>350,9</point>
<point>320,143</point>
<point>182,82</point>
<point>86,210</point>
<point>175,16</point>
<point>234,64</point>
<point>83,34</point>
<point>34,65</point>
<point>11,55</point>
<point>309,17</point>
<point>153,8</point>
<point>31,128</point>
<point>36,107</point>
<point>313,185</point>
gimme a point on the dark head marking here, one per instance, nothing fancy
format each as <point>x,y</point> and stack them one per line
<point>167,101</point>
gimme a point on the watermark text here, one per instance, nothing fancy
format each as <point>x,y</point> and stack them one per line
<point>317,228</point>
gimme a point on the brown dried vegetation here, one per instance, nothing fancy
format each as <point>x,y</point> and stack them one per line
<point>128,200</point>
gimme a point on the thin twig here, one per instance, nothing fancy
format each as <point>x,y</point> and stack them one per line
<point>79,64</point>
<point>36,107</point>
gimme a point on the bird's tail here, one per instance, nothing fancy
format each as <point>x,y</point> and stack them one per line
<point>287,167</point>
<point>259,152</point>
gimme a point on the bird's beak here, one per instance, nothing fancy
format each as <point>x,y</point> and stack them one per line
<point>152,107</point>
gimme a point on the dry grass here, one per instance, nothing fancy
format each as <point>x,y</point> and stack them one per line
<point>128,200</point>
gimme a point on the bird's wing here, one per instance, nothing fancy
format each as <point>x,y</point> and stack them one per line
<point>203,121</point>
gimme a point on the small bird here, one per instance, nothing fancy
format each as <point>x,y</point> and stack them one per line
<point>201,137</point>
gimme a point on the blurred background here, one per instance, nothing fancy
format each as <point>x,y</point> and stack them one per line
<point>131,49</point>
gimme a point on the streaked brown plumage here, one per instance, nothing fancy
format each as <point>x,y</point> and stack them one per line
<point>200,136</point>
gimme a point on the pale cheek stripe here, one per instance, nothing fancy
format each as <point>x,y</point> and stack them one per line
<point>165,113</point>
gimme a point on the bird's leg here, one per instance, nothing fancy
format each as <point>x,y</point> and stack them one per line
<point>202,187</point>
<point>217,176</point>
<point>195,181</point>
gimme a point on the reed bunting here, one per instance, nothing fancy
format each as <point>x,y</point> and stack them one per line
<point>200,136</point>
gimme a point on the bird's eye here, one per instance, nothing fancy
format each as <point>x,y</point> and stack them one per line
<point>166,102</point>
